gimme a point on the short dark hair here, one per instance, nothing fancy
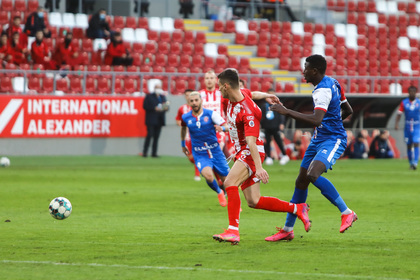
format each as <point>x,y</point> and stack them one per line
<point>230,76</point>
<point>412,87</point>
<point>187,90</point>
<point>318,62</point>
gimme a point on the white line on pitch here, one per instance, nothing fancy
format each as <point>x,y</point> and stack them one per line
<point>201,268</point>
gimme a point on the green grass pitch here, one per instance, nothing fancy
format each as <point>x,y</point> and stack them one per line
<point>136,218</point>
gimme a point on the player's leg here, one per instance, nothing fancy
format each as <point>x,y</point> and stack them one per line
<point>191,159</point>
<point>237,175</point>
<point>267,148</point>
<point>416,141</point>
<point>156,135</point>
<point>328,153</point>
<point>150,132</point>
<point>205,165</point>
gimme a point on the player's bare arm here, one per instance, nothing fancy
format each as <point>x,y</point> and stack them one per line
<point>346,110</point>
<point>221,128</point>
<point>183,135</point>
<point>314,119</point>
<point>270,98</point>
<point>397,120</point>
<point>260,173</point>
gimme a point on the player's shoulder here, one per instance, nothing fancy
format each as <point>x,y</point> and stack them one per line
<point>187,115</point>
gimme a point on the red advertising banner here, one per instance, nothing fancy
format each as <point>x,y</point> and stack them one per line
<point>75,116</point>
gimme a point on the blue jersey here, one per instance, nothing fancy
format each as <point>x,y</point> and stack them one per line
<point>327,96</point>
<point>202,131</point>
<point>411,112</point>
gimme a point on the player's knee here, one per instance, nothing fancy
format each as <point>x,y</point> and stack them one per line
<point>252,203</point>
<point>312,177</point>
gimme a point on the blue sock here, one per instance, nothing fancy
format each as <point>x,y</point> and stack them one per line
<point>214,186</point>
<point>329,191</point>
<point>416,155</point>
<point>410,155</point>
<point>299,196</point>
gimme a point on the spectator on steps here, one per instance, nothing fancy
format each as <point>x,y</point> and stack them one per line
<point>186,8</point>
<point>4,47</point>
<point>381,147</point>
<point>17,51</point>
<point>66,53</point>
<point>16,27</point>
<point>144,7</point>
<point>40,52</point>
<point>98,26</point>
<point>36,22</point>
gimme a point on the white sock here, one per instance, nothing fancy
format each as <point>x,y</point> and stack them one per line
<point>295,210</point>
<point>287,229</point>
<point>346,212</point>
<point>234,228</point>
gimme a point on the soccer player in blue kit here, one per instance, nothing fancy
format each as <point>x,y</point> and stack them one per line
<point>202,125</point>
<point>411,108</point>
<point>327,144</point>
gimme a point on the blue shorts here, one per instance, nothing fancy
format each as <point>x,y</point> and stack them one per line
<point>411,137</point>
<point>327,151</point>
<point>215,160</point>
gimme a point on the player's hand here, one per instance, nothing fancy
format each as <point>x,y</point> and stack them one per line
<point>273,99</point>
<point>218,128</point>
<point>279,108</point>
<point>185,151</point>
<point>262,175</point>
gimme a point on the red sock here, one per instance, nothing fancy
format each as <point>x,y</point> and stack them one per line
<point>234,205</point>
<point>191,159</point>
<point>274,204</point>
<point>219,181</point>
<point>197,172</point>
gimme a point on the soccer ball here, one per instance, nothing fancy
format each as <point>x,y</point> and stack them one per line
<point>60,208</point>
<point>4,162</point>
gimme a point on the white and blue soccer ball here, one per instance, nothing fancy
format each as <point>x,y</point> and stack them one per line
<point>4,162</point>
<point>60,208</point>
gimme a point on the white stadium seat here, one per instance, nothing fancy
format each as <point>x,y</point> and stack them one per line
<point>19,84</point>
<point>241,26</point>
<point>141,35</point>
<point>413,32</point>
<point>372,19</point>
<point>318,50</point>
<point>68,20</point>
<point>405,66</point>
<point>381,7</point>
<point>82,21</point>
<point>395,89</point>
<point>168,24</point>
<point>297,28</point>
<point>99,44</point>
<point>210,49</point>
<point>392,7</point>
<point>155,24</point>
<point>128,35</point>
<point>340,30</point>
<point>55,19</point>
<point>318,39</point>
<point>403,43</point>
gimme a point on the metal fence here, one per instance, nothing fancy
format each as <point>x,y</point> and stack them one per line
<point>169,80</point>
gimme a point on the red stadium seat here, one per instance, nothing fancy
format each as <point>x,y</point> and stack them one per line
<point>264,38</point>
<point>255,86</point>
<point>222,50</point>
<point>143,23</point>
<point>199,49</point>
<point>252,39</point>
<point>230,26</point>
<point>240,39</point>
<point>189,37</point>
<point>319,28</point>
<point>221,61</point>
<point>289,88</point>
<point>76,85</point>
<point>34,84</point>
<point>103,86</point>
<point>152,35</point>
<point>279,87</point>
<point>402,6</point>
<point>200,37</point>
<point>262,50</point>
<point>20,5</point>
<point>411,8</point>
<point>163,48</point>
<point>129,86</point>
<point>7,5</point>
<point>131,22</point>
<point>179,24</point>
<point>118,22</point>
<point>175,48</point>
<point>93,68</point>
<point>164,36</point>
<point>184,60</point>
<point>187,48</point>
<point>87,45</point>
<point>284,63</point>
<point>273,51</point>
<point>137,59</point>
<point>90,85</point>
<point>177,36</point>
<point>244,62</point>
<point>4,17</point>
<point>233,62</point>
<point>33,5</point>
<point>180,87</point>
<point>218,26</point>
<point>137,47</point>
<point>253,26</point>
<point>197,61</point>
<point>47,85</point>
<point>276,27</point>
<point>209,62</point>
<point>352,18</point>
<point>286,27</point>
<point>150,48</point>
<point>275,39</point>
<point>361,6</point>
<point>265,26</point>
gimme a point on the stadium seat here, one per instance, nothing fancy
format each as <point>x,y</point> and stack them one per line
<point>289,88</point>
<point>34,84</point>
<point>297,28</point>
<point>209,62</point>
<point>168,24</point>
<point>68,20</point>
<point>177,36</point>
<point>55,19</point>
<point>185,60</point>
<point>210,50</point>
<point>129,86</point>
<point>273,51</point>
<point>128,35</point>
<point>47,85</point>
<point>276,27</point>
<point>179,24</point>
<point>221,61</point>
<point>252,39</point>
<point>153,35</point>
<point>20,6</point>
<point>286,27</point>
<point>189,37</point>
<point>7,5</point>
<point>240,39</point>
<point>230,26</point>
<point>33,5</point>
<point>197,61</point>
<point>233,62</point>
<point>187,48</point>
<point>164,36</point>
<point>118,22</point>
<point>76,85</point>
<point>4,17</point>
<point>262,50</point>
<point>81,20</point>
<point>103,86</point>
<point>241,26</point>
<point>155,24</point>
<point>222,49</point>
<point>199,49</point>
<point>275,39</point>
<point>200,37</point>
<point>163,48</point>
<point>218,26</point>
<point>6,85</point>
<point>130,22</point>
<point>99,45</point>
<point>141,35</point>
<point>143,23</point>
<point>253,26</point>
<point>137,47</point>
<point>160,59</point>
<point>265,26</point>
<point>150,47</point>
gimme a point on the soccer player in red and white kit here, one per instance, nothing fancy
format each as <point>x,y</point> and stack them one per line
<point>243,117</point>
<point>182,110</point>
